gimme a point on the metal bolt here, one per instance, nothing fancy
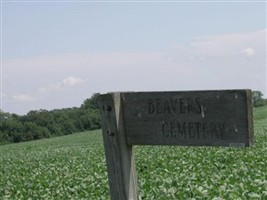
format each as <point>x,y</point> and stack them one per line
<point>110,133</point>
<point>107,108</point>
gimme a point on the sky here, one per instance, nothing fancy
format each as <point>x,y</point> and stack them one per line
<point>56,54</point>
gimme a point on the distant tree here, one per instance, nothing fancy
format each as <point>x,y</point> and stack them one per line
<point>38,124</point>
<point>4,116</point>
<point>90,103</point>
<point>256,96</point>
<point>41,117</point>
<point>11,130</point>
<point>257,99</point>
<point>33,132</point>
<point>2,141</point>
<point>95,119</point>
<point>90,118</point>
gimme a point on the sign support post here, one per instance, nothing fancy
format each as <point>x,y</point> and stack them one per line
<point>119,155</point>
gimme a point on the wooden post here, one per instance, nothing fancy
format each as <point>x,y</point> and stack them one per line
<point>119,155</point>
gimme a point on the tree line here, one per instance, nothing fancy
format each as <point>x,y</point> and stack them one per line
<point>38,124</point>
<point>257,99</point>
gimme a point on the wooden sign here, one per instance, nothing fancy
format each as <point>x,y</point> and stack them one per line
<point>197,118</point>
<point>191,118</point>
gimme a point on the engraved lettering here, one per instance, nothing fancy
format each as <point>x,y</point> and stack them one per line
<point>191,129</point>
<point>158,103</point>
<point>181,130</point>
<point>174,105</point>
<point>213,129</point>
<point>166,108</point>
<point>197,128</point>
<point>222,130</point>
<point>199,107</point>
<point>194,130</point>
<point>172,130</point>
<point>151,107</point>
<point>183,106</point>
<point>165,129</point>
<point>189,105</point>
<point>205,130</point>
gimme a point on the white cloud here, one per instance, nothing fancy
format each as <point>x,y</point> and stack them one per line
<point>213,62</point>
<point>67,82</point>
<point>50,88</point>
<point>23,98</point>
<point>230,44</point>
<point>72,81</point>
<point>248,52</point>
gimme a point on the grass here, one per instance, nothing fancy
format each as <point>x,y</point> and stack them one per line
<point>73,167</point>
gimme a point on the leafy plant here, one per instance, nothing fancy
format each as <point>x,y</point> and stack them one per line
<point>74,167</point>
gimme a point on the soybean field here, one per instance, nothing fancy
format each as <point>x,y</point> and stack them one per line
<point>73,167</point>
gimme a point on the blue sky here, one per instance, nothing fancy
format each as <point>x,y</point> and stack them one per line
<point>57,54</point>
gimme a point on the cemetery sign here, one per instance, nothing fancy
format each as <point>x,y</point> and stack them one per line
<point>185,118</point>
<point>197,118</point>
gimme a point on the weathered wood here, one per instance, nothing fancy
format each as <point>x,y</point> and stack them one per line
<point>191,118</point>
<point>119,155</point>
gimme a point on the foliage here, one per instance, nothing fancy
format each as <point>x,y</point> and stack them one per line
<point>38,124</point>
<point>73,167</point>
<point>91,103</point>
<point>261,102</point>
<point>257,99</point>
<point>260,113</point>
<point>68,167</point>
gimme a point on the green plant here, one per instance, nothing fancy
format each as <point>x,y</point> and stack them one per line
<point>73,167</point>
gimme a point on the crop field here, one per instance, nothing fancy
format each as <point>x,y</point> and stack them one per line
<point>73,167</point>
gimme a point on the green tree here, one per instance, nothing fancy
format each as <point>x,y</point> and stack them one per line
<point>90,103</point>
<point>4,116</point>
<point>38,124</point>
<point>11,130</point>
<point>257,99</point>
<point>33,132</point>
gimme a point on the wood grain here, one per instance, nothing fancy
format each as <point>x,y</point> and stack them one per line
<point>119,155</point>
